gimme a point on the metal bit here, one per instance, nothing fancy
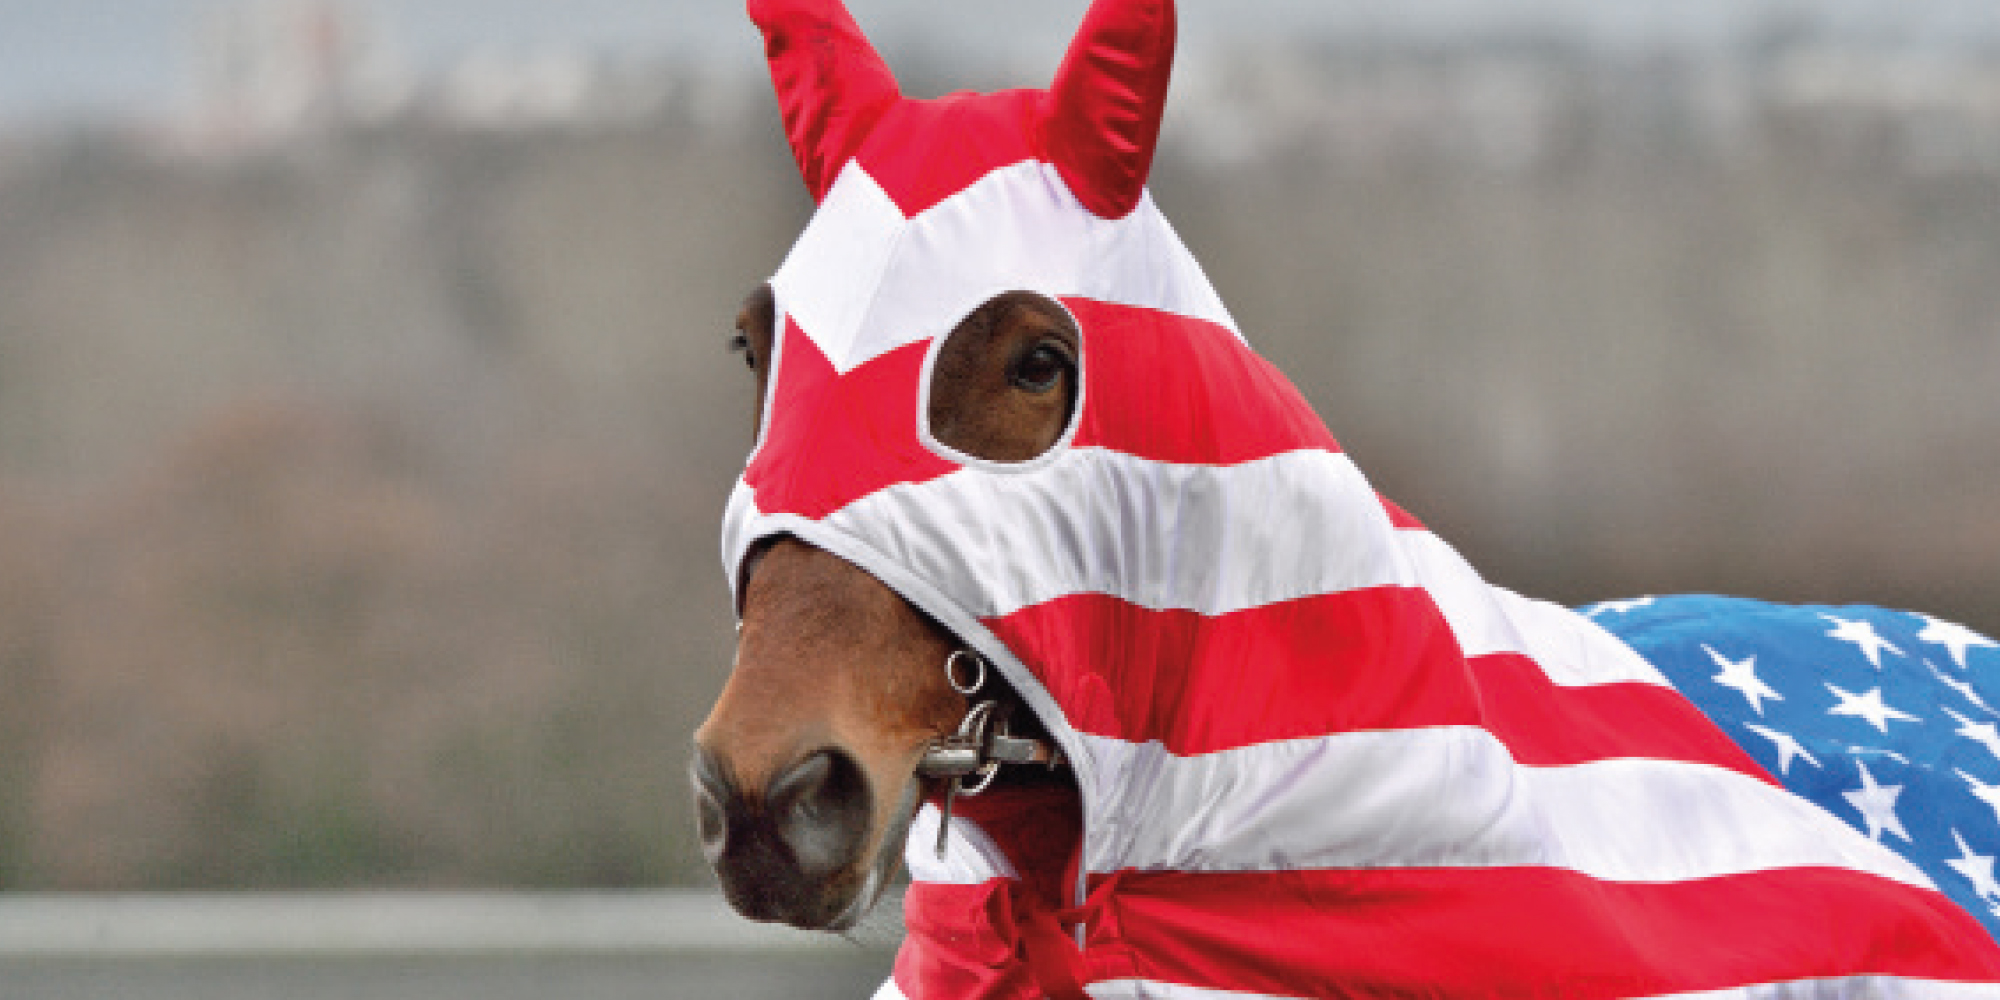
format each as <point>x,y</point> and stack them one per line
<point>944,817</point>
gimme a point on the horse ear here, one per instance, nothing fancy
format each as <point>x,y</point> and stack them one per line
<point>831,84</point>
<point>1102,119</point>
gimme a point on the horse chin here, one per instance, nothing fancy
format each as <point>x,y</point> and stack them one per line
<point>846,899</point>
<point>882,868</point>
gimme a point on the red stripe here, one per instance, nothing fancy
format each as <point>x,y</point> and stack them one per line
<point>1369,659</point>
<point>922,152</point>
<point>965,942</point>
<point>1525,932</point>
<point>1546,725</point>
<point>1172,388</point>
<point>1379,658</point>
<point>1400,518</point>
<point>833,439</point>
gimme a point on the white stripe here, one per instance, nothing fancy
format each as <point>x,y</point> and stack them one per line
<point>1571,649</point>
<point>1145,989</point>
<point>1451,796</point>
<point>889,991</point>
<point>1851,988</point>
<point>1195,537</point>
<point>1848,988</point>
<point>863,280</point>
<point>1209,539</point>
<point>970,854</point>
<point>842,254</point>
<point>742,525</point>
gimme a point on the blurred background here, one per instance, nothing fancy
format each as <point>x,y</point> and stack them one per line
<point>365,417</point>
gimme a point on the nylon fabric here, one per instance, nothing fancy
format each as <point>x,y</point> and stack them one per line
<point>1525,932</point>
<point>1455,797</point>
<point>1105,105</point>
<point>831,85</point>
<point>1888,720</point>
<point>1844,988</point>
<point>1316,754</point>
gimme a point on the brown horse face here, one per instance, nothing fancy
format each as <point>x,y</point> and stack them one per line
<point>804,772</point>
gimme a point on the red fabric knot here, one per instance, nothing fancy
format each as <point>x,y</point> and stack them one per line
<point>1046,939</point>
<point>1044,945</point>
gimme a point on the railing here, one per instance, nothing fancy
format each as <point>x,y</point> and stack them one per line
<point>400,923</point>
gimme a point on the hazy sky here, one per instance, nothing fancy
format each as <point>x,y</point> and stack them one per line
<point>62,58</point>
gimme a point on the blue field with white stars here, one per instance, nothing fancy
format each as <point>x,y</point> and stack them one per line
<point>1886,719</point>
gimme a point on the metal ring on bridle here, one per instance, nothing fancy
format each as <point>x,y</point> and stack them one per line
<point>976,782</point>
<point>977,730</point>
<point>969,760</point>
<point>978,681</point>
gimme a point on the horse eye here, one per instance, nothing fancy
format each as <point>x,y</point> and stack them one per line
<point>1041,369</point>
<point>740,344</point>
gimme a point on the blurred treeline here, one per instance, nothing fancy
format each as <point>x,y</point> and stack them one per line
<point>358,491</point>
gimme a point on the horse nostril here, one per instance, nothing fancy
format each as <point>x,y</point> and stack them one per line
<point>710,824</point>
<point>711,790</point>
<point>800,786</point>
<point>820,808</point>
<point>779,853</point>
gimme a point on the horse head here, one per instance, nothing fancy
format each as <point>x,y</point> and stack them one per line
<point>921,328</point>
<point>1002,413</point>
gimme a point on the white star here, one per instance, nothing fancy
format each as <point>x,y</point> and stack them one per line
<point>1989,794</point>
<point>1984,733</point>
<point>1877,805</point>
<point>1956,638</point>
<point>1788,747</point>
<point>1619,607</point>
<point>1879,752</point>
<point>1742,676</point>
<point>1977,869</point>
<point>1867,706</point>
<point>1861,634</point>
<point>1963,688</point>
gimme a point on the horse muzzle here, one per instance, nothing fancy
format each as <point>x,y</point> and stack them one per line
<point>793,851</point>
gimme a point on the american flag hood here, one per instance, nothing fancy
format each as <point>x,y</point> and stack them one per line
<point>1317,754</point>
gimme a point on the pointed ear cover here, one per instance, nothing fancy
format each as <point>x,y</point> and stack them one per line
<point>831,84</point>
<point>1102,120</point>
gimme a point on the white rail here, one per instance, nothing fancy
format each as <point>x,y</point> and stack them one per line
<point>358,923</point>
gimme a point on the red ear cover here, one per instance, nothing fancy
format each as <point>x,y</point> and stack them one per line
<point>832,86</point>
<point>1102,120</point>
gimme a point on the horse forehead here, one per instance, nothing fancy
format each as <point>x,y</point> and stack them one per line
<point>866,278</point>
<point>948,203</point>
<point>923,152</point>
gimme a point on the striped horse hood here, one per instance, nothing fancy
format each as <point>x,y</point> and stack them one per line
<point>1317,755</point>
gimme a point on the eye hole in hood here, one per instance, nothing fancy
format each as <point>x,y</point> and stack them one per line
<point>1006,384</point>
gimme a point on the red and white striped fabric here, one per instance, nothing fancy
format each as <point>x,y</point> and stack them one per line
<point>1317,755</point>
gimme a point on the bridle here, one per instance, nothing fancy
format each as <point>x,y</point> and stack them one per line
<point>970,759</point>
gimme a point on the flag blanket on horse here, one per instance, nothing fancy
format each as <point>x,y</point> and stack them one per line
<point>1885,719</point>
<point>1316,755</point>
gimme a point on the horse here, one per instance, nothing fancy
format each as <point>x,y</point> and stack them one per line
<point>1051,588</point>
